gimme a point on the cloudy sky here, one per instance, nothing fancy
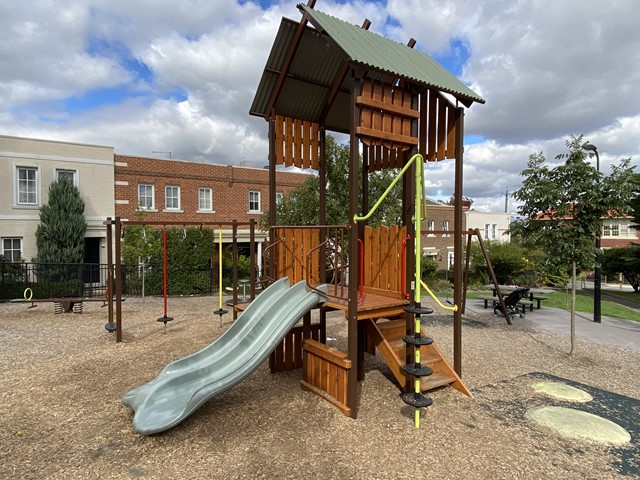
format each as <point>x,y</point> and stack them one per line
<point>179,76</point>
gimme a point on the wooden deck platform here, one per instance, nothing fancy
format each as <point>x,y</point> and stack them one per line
<point>375,304</point>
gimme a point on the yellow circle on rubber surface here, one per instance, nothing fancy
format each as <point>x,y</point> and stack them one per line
<point>576,424</point>
<point>562,391</point>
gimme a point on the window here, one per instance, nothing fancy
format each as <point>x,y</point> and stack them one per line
<point>205,203</point>
<point>12,249</point>
<point>172,197</point>
<point>490,231</point>
<point>615,232</point>
<point>450,259</point>
<point>27,188</point>
<point>70,174</point>
<point>145,197</point>
<point>624,230</point>
<point>254,201</point>
<point>431,225</point>
<point>445,227</point>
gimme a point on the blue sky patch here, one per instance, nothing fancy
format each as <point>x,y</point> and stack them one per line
<point>456,57</point>
<point>98,97</point>
<point>473,139</point>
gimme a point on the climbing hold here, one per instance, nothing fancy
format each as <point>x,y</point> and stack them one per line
<point>417,339</point>
<point>417,400</point>
<point>418,310</point>
<point>164,319</point>
<point>220,312</point>
<point>417,370</point>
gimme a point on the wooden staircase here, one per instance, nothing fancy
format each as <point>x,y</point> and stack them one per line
<point>387,338</point>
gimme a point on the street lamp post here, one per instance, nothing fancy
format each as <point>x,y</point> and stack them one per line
<point>597,316</point>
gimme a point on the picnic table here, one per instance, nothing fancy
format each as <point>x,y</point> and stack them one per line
<point>536,295</point>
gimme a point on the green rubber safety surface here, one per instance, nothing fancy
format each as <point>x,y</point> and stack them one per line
<point>583,416</point>
<point>576,424</point>
<point>562,391</point>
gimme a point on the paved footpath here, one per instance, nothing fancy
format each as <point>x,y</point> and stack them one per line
<point>612,331</point>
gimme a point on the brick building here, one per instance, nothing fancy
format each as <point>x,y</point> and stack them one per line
<point>618,233</point>
<point>182,191</point>
<point>440,219</point>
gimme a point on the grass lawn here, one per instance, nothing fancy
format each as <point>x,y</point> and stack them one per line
<point>635,296</point>
<point>584,302</point>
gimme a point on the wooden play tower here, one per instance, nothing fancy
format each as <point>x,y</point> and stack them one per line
<point>324,74</point>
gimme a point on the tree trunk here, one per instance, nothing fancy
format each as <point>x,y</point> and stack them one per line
<point>573,306</point>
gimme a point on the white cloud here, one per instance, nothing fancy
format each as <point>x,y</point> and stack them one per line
<point>546,69</point>
<point>551,69</point>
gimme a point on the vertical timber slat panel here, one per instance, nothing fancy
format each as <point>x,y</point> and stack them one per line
<point>297,345</point>
<point>298,159</point>
<point>422,125</point>
<point>368,259</point>
<point>442,129</point>
<point>288,352</point>
<point>315,146</point>
<point>432,126</point>
<point>451,132</point>
<point>279,140</point>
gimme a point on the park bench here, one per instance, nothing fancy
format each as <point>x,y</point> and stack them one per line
<point>533,298</point>
<point>522,304</point>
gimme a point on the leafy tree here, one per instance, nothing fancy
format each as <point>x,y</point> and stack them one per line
<point>563,206</point>
<point>189,258</point>
<point>623,260</point>
<point>301,205</point>
<point>60,234</point>
<point>298,207</point>
<point>634,203</point>
<point>509,261</point>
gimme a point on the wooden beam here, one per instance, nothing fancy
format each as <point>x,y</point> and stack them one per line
<point>457,244</point>
<point>286,65</point>
<point>352,311</point>
<point>310,81</point>
<point>385,136</point>
<point>387,107</point>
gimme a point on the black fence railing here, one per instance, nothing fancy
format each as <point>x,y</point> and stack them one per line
<point>90,280</point>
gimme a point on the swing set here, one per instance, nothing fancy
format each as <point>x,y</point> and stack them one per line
<point>115,233</point>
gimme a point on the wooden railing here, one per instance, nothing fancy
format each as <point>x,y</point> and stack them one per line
<point>315,254</point>
<point>296,252</point>
<point>383,257</point>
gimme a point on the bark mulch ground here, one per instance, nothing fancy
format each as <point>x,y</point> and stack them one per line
<point>62,376</point>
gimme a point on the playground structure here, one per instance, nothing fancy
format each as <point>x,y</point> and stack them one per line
<point>322,75</point>
<point>394,102</point>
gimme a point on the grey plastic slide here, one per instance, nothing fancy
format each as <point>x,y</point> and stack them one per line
<point>186,384</point>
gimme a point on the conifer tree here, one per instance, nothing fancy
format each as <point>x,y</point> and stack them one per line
<point>60,234</point>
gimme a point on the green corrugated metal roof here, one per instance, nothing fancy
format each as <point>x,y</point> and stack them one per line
<point>375,51</point>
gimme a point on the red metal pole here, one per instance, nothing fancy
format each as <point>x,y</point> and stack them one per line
<point>164,266</point>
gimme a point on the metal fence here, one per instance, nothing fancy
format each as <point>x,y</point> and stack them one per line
<point>82,280</point>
